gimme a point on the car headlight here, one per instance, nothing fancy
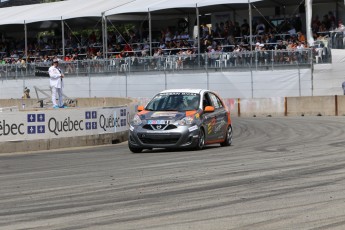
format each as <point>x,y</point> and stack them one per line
<point>186,121</point>
<point>136,120</point>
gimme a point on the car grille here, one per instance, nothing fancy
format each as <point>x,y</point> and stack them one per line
<point>159,138</point>
<point>162,127</point>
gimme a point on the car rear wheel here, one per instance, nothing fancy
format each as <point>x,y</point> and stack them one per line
<point>228,138</point>
<point>201,140</point>
<point>134,149</point>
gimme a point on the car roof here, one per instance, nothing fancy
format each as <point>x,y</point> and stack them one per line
<point>198,91</point>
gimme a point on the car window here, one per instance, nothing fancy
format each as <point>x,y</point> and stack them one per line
<point>215,101</point>
<point>174,101</point>
<point>206,101</point>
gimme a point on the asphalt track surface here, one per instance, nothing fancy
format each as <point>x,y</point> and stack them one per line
<point>280,173</point>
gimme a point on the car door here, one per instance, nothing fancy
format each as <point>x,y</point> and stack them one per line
<point>216,121</point>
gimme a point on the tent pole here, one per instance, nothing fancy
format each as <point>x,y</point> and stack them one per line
<point>250,26</point>
<point>309,12</point>
<point>63,38</point>
<point>150,33</point>
<point>26,42</point>
<point>103,35</point>
<point>198,33</point>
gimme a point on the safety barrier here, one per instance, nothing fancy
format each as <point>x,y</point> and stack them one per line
<point>44,129</point>
<point>256,60</point>
<point>288,106</point>
<point>32,130</point>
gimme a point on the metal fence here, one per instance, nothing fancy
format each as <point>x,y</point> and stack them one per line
<point>336,39</point>
<point>255,60</point>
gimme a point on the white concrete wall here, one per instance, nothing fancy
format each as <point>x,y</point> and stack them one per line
<point>256,84</point>
<point>329,77</point>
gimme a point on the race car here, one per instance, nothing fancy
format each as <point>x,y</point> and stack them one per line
<point>181,118</point>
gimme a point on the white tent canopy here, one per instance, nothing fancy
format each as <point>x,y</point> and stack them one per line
<point>155,5</point>
<point>57,11</point>
<point>80,8</point>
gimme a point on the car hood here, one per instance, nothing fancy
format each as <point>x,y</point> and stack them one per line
<point>165,115</point>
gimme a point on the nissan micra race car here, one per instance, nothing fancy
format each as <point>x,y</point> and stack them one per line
<point>181,118</point>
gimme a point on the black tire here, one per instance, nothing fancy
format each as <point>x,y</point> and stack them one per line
<point>134,149</point>
<point>201,140</point>
<point>228,138</point>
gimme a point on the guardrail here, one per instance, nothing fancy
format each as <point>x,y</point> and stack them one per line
<point>267,59</point>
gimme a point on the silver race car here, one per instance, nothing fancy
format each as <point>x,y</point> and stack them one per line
<point>181,118</point>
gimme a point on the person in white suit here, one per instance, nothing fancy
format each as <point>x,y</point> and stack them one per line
<point>56,84</point>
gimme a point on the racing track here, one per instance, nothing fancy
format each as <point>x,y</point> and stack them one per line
<point>280,173</point>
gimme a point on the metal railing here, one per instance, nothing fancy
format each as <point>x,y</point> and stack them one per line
<point>226,61</point>
<point>336,40</point>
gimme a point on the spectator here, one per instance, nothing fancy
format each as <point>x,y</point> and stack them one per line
<point>341,27</point>
<point>26,93</point>
<point>92,38</point>
<point>301,37</point>
<point>245,28</point>
<point>56,84</point>
<point>260,28</point>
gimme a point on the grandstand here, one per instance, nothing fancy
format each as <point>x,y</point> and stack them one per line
<point>137,52</point>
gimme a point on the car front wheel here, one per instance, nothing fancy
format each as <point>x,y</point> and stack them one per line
<point>134,149</point>
<point>201,140</point>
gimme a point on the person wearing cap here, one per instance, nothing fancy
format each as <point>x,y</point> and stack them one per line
<point>26,94</point>
<point>56,84</point>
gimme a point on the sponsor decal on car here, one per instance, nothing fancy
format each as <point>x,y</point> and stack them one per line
<point>220,126</point>
<point>191,129</point>
<point>158,122</point>
<point>178,93</point>
<point>164,114</point>
<point>210,126</point>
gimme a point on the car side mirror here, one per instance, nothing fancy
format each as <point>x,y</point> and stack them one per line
<point>140,108</point>
<point>209,109</point>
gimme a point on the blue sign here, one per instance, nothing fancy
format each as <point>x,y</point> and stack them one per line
<point>41,129</point>
<point>31,129</point>
<point>88,125</point>
<point>87,115</point>
<point>41,117</point>
<point>94,114</point>
<point>31,117</point>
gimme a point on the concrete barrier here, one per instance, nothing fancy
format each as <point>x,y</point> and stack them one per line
<point>261,107</point>
<point>311,106</point>
<point>341,105</point>
<point>291,106</point>
<point>59,143</point>
<point>284,106</point>
<point>99,121</point>
<point>102,102</point>
<point>19,103</point>
<point>29,104</point>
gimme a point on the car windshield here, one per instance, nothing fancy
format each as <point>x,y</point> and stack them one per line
<point>174,102</point>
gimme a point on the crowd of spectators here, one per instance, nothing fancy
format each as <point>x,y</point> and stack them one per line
<point>225,36</point>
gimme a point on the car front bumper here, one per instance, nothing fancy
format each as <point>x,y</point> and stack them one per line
<point>180,137</point>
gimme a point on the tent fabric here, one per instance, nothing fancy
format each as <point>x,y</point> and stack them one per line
<point>70,9</point>
<point>57,11</point>
<point>154,5</point>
